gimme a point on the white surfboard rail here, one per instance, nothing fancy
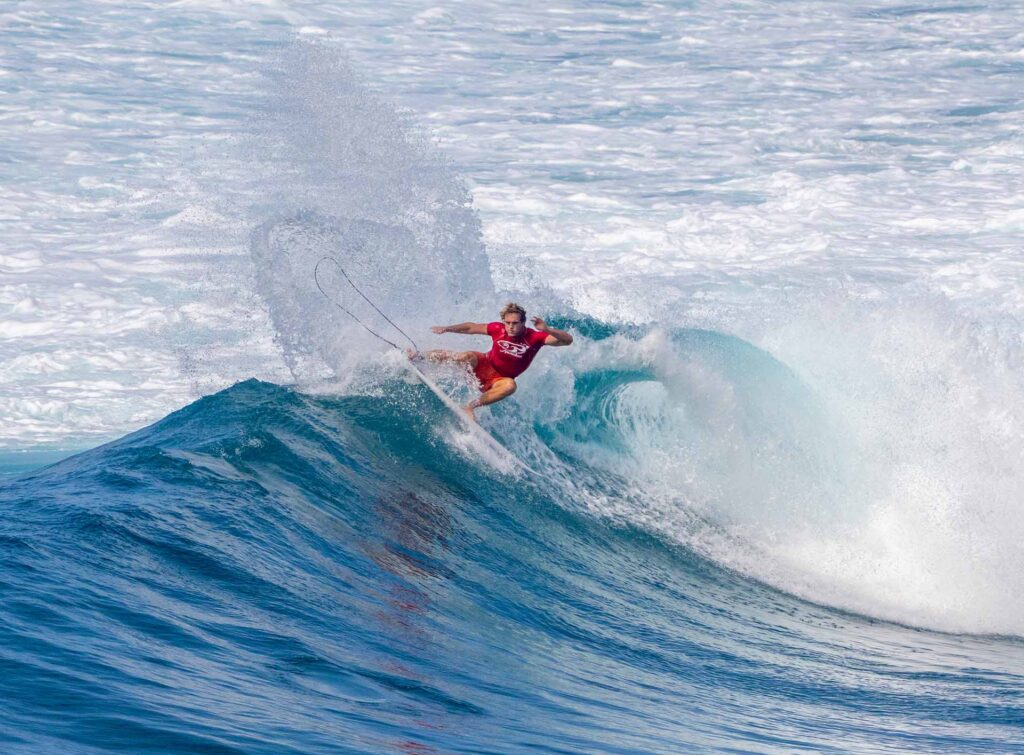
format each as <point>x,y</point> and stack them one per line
<point>473,427</point>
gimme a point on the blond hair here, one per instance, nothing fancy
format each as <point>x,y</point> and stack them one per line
<point>513,307</point>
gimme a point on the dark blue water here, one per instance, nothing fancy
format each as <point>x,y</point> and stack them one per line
<point>267,571</point>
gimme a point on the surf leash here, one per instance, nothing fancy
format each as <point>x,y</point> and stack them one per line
<point>489,440</point>
<point>348,312</point>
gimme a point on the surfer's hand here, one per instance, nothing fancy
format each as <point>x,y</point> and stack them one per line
<point>439,329</point>
<point>540,325</point>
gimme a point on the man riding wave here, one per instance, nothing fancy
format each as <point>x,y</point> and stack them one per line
<point>513,347</point>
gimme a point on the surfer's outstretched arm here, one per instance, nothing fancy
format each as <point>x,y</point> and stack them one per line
<point>466,328</point>
<point>555,336</point>
<point>440,355</point>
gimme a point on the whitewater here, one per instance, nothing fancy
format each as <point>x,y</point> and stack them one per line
<point>770,499</point>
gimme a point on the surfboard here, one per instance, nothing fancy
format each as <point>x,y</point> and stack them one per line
<point>490,445</point>
<point>480,441</point>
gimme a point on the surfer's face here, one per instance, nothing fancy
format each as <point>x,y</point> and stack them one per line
<point>513,324</point>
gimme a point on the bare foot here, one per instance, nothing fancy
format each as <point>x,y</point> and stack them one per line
<point>469,411</point>
<point>414,356</point>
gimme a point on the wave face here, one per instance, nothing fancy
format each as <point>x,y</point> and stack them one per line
<point>268,570</point>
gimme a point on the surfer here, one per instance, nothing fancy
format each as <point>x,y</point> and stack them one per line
<point>513,347</point>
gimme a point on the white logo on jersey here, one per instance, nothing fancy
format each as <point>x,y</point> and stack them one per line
<point>513,349</point>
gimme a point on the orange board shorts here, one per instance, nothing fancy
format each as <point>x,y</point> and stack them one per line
<point>485,372</point>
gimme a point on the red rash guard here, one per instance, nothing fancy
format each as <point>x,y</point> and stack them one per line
<point>511,356</point>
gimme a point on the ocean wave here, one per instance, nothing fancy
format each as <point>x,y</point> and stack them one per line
<point>337,569</point>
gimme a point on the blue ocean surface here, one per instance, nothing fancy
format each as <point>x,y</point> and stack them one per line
<point>768,501</point>
<point>271,571</point>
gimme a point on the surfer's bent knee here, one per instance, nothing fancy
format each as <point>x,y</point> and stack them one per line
<point>508,385</point>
